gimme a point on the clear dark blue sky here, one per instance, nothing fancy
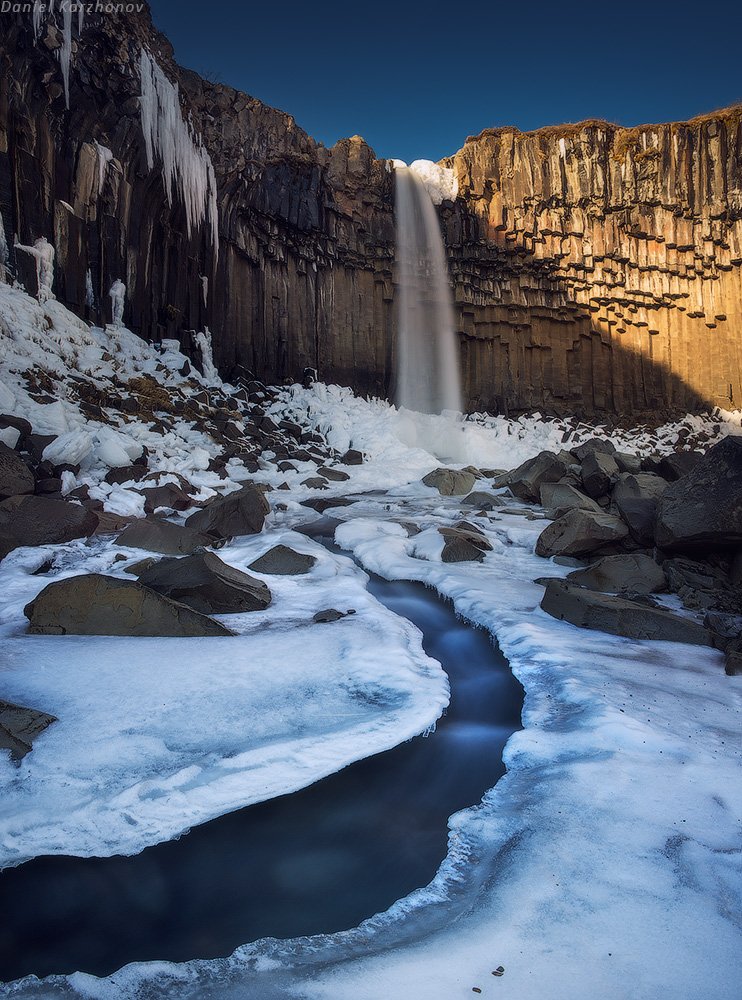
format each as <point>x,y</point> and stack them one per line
<point>415,79</point>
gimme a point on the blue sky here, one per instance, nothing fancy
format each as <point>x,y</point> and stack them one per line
<point>415,79</point>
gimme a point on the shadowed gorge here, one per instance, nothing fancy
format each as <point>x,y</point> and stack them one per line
<point>595,269</point>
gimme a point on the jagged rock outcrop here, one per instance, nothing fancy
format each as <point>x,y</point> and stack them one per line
<point>596,269</point>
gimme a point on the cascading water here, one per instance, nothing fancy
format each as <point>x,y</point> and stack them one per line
<point>427,357</point>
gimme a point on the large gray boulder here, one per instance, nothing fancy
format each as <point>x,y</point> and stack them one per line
<point>94,604</point>
<point>164,537</point>
<point>240,513</point>
<point>463,544</point>
<point>679,464</point>
<point>633,573</point>
<point>40,520</point>
<point>207,584</point>
<point>526,481</point>
<point>703,510</point>
<point>599,471</point>
<point>483,500</point>
<point>283,561</point>
<point>450,482</point>
<point>558,498</point>
<point>579,532</point>
<point>619,616</point>
<point>19,727</point>
<point>636,497</point>
<point>15,476</point>
<point>593,446</point>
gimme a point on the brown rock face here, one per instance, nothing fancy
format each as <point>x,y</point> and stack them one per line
<point>596,269</point>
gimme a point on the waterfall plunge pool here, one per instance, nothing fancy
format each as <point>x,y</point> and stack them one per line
<point>317,861</point>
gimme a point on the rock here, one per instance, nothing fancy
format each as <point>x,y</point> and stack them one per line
<point>48,486</point>
<point>41,520</point>
<point>94,604</point>
<point>463,544</point>
<point>352,457</point>
<point>619,616</point>
<point>633,573</point>
<point>484,501</point>
<point>19,727</point>
<point>526,481</point>
<point>315,483</point>
<point>331,615</point>
<point>558,498</point>
<point>141,565</point>
<point>725,628</point>
<point>675,466</point>
<point>701,585</point>
<point>336,475</point>
<point>16,478</point>
<point>240,513</point>
<point>207,584</point>
<point>170,495</point>
<point>628,463</point>
<point>599,471</point>
<point>703,510</point>
<point>126,474</point>
<point>594,446</point>
<point>636,497</point>
<point>283,561</point>
<point>578,532</point>
<point>450,482</point>
<point>321,505</point>
<point>164,537</point>
<point>733,663</point>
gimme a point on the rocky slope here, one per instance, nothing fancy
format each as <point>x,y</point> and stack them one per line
<point>596,269</point>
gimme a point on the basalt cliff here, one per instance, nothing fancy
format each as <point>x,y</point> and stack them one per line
<point>597,270</point>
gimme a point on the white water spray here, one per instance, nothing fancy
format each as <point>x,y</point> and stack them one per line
<point>427,356</point>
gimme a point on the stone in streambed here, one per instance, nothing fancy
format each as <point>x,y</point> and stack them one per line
<point>450,482</point>
<point>240,513</point>
<point>558,498</point>
<point>164,537</point>
<point>283,561</point>
<point>579,532</point>
<point>207,584</point>
<point>526,481</point>
<point>622,574</point>
<point>95,604</point>
<point>619,616</point>
<point>19,727</point>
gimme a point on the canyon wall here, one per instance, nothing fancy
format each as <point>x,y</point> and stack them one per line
<point>596,270</point>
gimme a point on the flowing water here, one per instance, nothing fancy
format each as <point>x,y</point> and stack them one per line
<point>427,359</point>
<point>316,861</point>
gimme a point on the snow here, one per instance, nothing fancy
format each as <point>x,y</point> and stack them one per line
<point>185,163</point>
<point>43,253</point>
<point>117,293</point>
<point>89,293</point>
<point>440,182</point>
<point>114,774</point>
<point>203,342</point>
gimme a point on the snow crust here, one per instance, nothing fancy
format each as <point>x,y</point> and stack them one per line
<point>186,166</point>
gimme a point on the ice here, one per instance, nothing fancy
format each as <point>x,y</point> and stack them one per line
<point>70,448</point>
<point>40,13</point>
<point>9,436</point>
<point>43,253</point>
<point>89,293</point>
<point>203,342</point>
<point>185,163</point>
<point>152,734</point>
<point>440,182</point>
<point>104,158</point>
<point>4,256</point>
<point>117,295</point>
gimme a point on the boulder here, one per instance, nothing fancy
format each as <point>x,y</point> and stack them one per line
<point>628,463</point>
<point>283,561</point>
<point>634,573</point>
<point>352,457</point>
<point>164,537</point>
<point>725,628</point>
<point>330,615</point>
<point>558,498</point>
<point>636,497</point>
<point>315,483</point>
<point>701,585</point>
<point>463,544</point>
<point>619,616</point>
<point>578,532</point>
<point>240,513</point>
<point>15,476</point>
<point>19,727</point>
<point>483,501</point>
<point>703,510</point>
<point>126,474</point>
<point>42,520</point>
<point>321,505</point>
<point>599,471</point>
<point>336,475</point>
<point>207,584</point>
<point>675,466</point>
<point>95,604</point>
<point>594,446</point>
<point>169,495</point>
<point>450,482</point>
<point>526,481</point>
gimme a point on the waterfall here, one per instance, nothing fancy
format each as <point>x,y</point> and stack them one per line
<point>427,351</point>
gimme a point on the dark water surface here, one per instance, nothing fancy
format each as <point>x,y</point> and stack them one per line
<point>316,861</point>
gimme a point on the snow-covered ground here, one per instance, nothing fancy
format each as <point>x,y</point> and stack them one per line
<point>606,863</point>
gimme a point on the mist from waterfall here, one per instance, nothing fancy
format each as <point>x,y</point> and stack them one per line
<point>427,355</point>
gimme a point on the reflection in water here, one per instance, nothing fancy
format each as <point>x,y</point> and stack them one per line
<point>319,860</point>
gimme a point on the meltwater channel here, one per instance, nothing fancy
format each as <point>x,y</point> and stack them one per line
<point>316,861</point>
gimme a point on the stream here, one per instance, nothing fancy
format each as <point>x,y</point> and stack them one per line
<point>317,861</point>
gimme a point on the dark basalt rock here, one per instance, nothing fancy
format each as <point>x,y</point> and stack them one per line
<point>558,498</point>
<point>636,497</point>
<point>15,476</point>
<point>283,561</point>
<point>622,574</point>
<point>163,536</point>
<point>450,482</point>
<point>619,616</point>
<point>240,513</point>
<point>207,584</point>
<point>42,520</point>
<point>579,532</point>
<point>599,471</point>
<point>104,605</point>
<point>19,727</point>
<point>526,481</point>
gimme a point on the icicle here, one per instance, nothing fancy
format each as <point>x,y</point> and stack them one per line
<point>66,50</point>
<point>4,255</point>
<point>203,342</point>
<point>204,285</point>
<point>104,158</point>
<point>118,298</point>
<point>89,294</point>
<point>185,162</point>
<point>39,10</point>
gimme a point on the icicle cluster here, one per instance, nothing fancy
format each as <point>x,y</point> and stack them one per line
<point>185,163</point>
<point>43,9</point>
<point>4,255</point>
